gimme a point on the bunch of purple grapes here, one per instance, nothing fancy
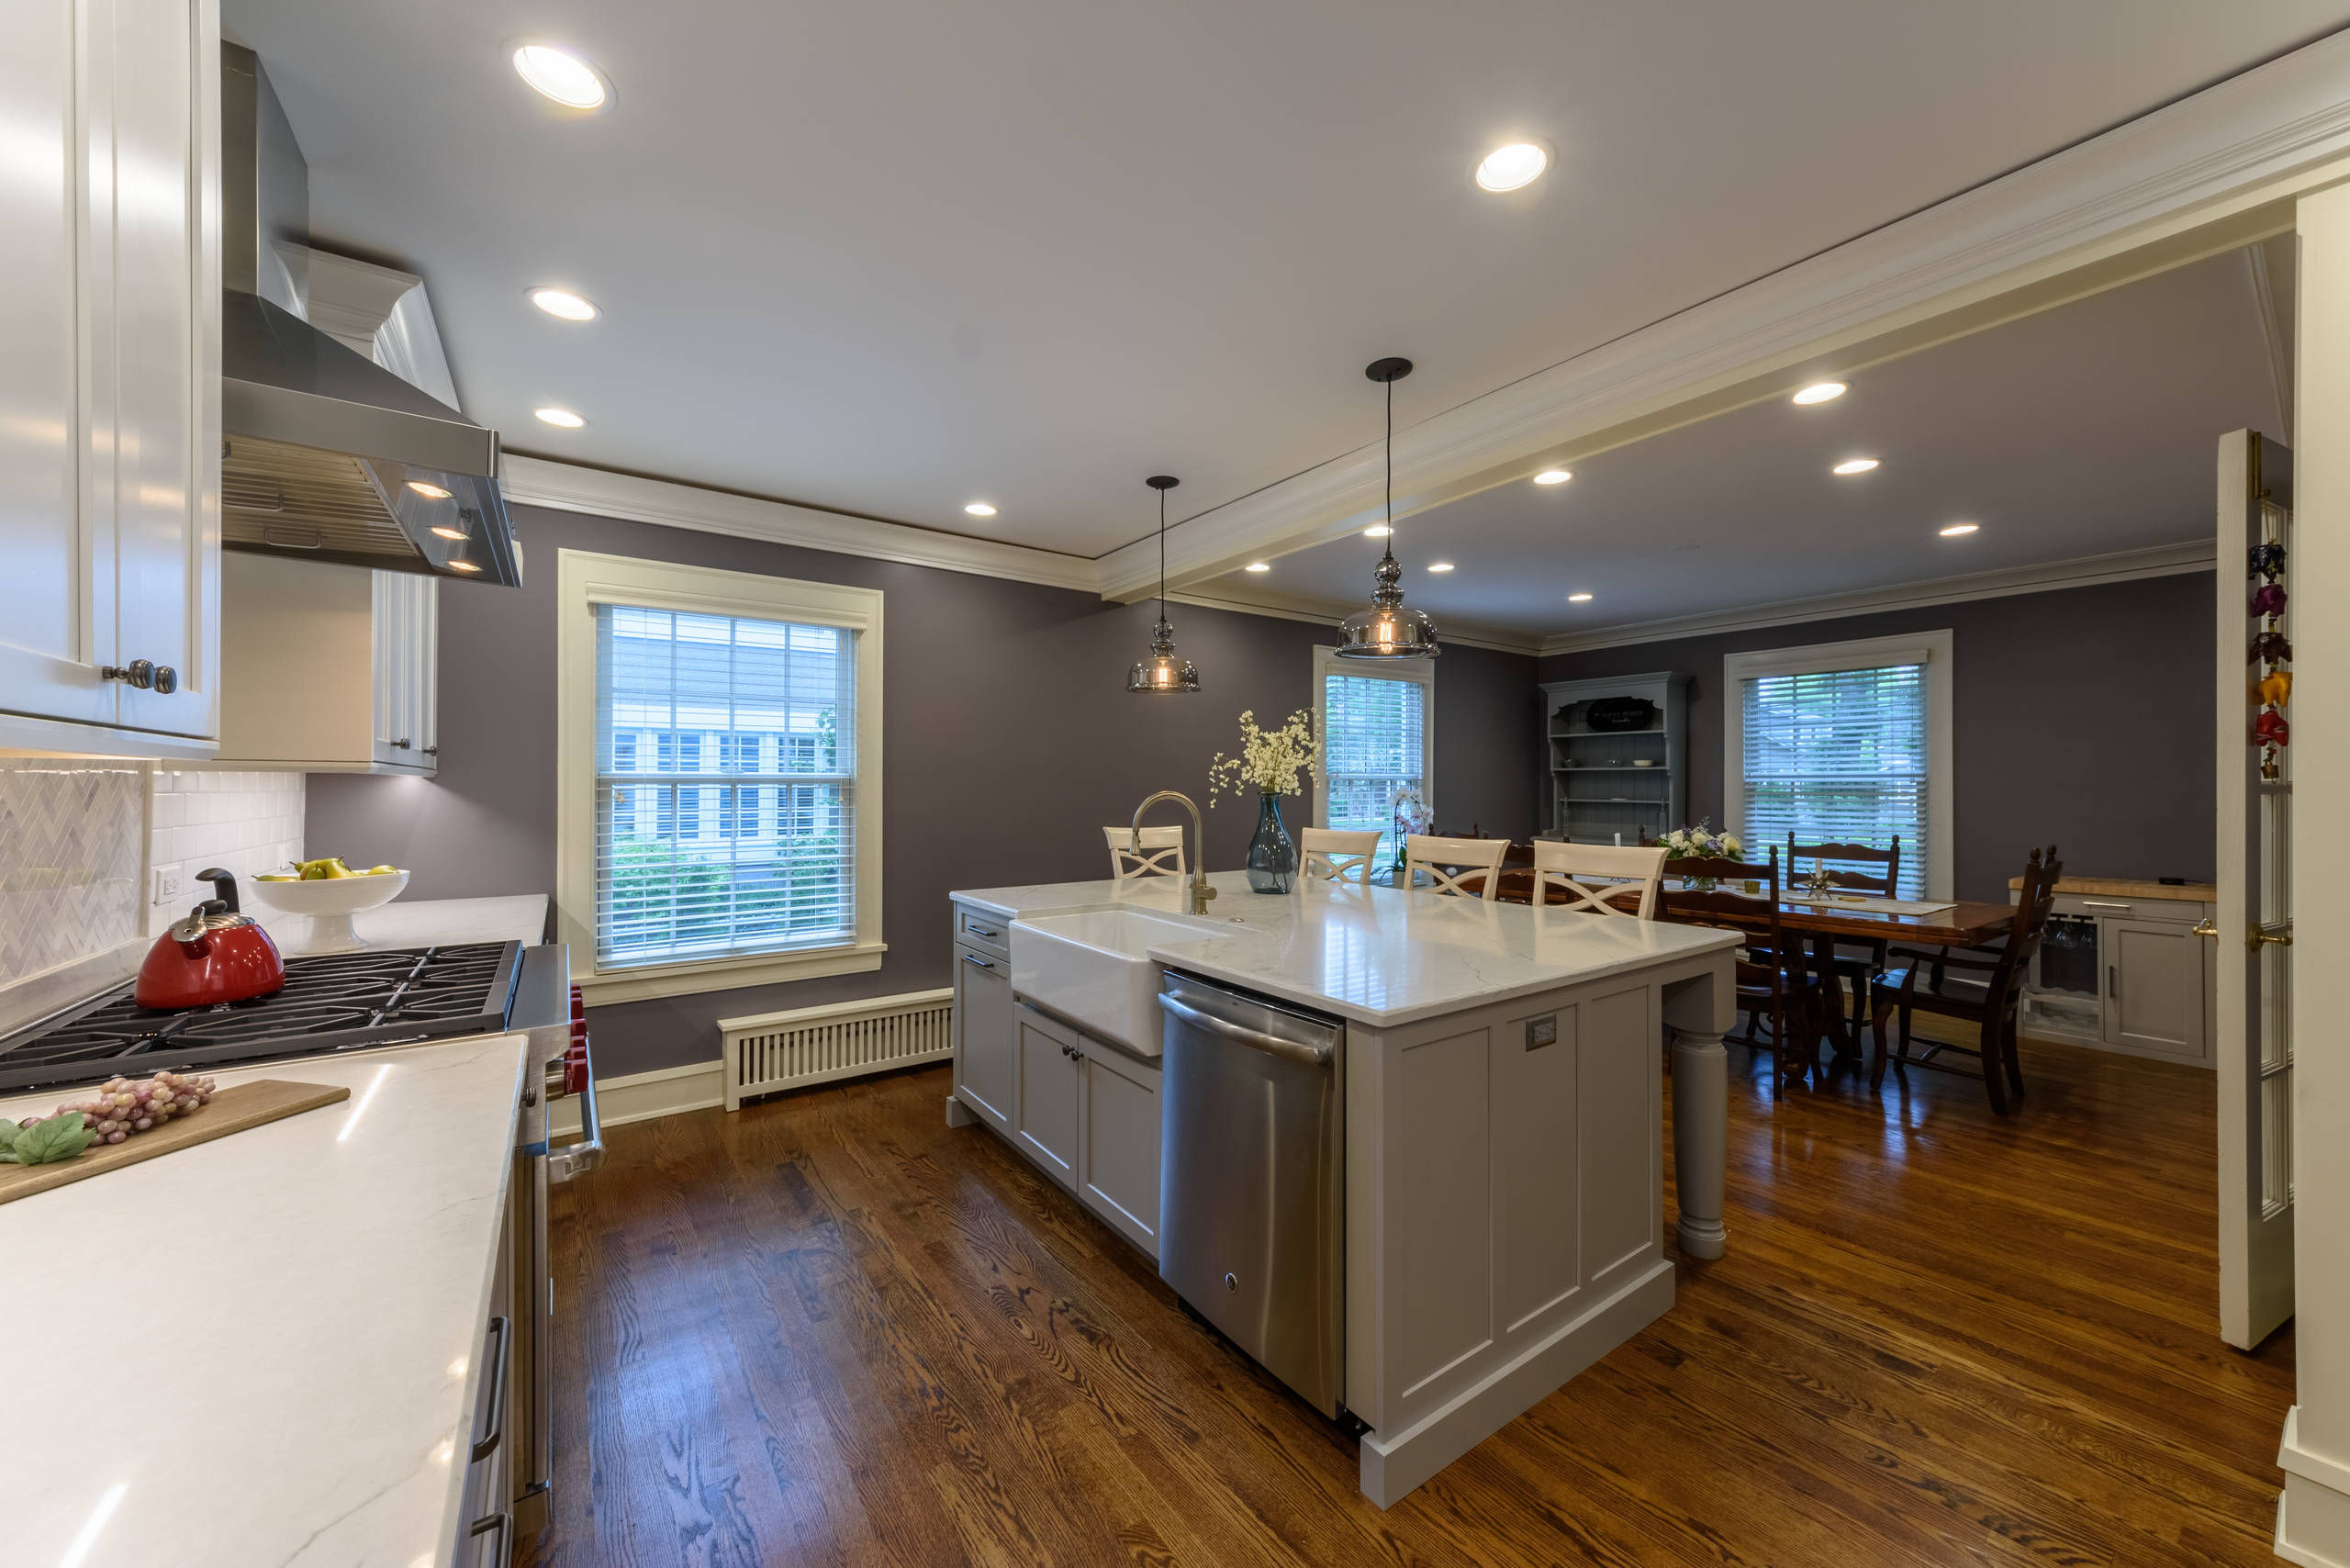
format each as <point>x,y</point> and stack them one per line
<point>123,1107</point>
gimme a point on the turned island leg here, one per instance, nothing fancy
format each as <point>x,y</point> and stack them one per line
<point>1700,1139</point>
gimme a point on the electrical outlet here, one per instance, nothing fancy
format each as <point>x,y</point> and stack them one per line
<point>1540,1032</point>
<point>167,883</point>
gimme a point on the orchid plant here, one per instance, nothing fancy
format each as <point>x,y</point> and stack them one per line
<point>1270,762</point>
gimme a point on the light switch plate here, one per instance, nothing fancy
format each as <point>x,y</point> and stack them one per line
<point>1540,1032</point>
<point>167,883</point>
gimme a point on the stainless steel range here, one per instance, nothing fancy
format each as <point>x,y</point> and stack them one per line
<point>340,1002</point>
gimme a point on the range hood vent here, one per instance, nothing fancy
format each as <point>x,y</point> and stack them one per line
<point>327,453</point>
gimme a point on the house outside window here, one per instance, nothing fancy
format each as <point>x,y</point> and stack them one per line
<point>689,712</point>
<point>1844,743</point>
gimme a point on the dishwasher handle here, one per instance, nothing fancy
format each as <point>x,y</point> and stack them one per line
<point>1255,1040</point>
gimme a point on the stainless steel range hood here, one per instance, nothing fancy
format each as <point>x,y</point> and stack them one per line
<point>328,455</point>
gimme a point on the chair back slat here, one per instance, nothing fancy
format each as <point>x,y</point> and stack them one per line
<point>2034,900</point>
<point>1467,857</point>
<point>1864,868</point>
<point>1335,855</point>
<point>1159,852</point>
<point>1591,875</point>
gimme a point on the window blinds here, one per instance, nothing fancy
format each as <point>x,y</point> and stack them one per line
<point>1838,757</point>
<point>725,786</point>
<point>1371,746</point>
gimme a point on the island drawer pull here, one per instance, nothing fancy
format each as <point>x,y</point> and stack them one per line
<point>2103,903</point>
<point>978,930</point>
<point>501,1329</point>
<point>1272,1045</point>
<point>975,959</point>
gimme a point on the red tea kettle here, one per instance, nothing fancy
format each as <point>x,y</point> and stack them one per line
<point>216,955</point>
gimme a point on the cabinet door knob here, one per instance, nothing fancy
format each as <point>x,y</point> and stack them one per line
<point>402,743</point>
<point>2204,927</point>
<point>167,679</point>
<point>139,673</point>
<point>432,751</point>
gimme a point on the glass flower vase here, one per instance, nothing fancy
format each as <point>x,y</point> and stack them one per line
<point>1272,859</point>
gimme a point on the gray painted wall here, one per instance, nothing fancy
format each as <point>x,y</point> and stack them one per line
<point>1011,741</point>
<point>2082,716</point>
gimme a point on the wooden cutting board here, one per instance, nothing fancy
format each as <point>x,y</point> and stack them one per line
<point>233,1110</point>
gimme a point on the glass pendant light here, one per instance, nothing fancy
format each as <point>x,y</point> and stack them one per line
<point>1387,630</point>
<point>1163,671</point>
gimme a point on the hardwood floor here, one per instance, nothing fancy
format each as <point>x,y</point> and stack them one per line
<point>830,1330</point>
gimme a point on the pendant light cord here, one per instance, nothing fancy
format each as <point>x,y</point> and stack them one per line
<point>1388,538</point>
<point>1162,555</point>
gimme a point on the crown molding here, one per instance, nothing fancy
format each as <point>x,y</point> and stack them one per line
<point>1329,613</point>
<point>2211,172</point>
<point>2121,566</point>
<point>563,487</point>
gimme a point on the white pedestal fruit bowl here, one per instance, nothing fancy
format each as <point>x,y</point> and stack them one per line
<point>330,902</point>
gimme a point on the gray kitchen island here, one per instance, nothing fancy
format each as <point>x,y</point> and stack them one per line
<point>1497,1150</point>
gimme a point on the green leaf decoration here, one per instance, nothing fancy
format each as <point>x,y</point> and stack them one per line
<point>61,1137</point>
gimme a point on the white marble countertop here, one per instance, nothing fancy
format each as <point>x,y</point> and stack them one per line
<point>262,1350</point>
<point>1380,956</point>
<point>423,923</point>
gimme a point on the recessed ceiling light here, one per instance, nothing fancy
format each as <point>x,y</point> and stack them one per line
<point>448,532</point>
<point>1578,599</point>
<point>562,302</point>
<point>561,75</point>
<point>1554,476</point>
<point>980,509</point>
<point>463,567</point>
<point>1854,466</point>
<point>1260,567</point>
<point>1821,392</point>
<point>1512,167</point>
<point>562,419</point>
<point>1439,566</point>
<point>1377,531</point>
<point>429,492</point>
<point>1955,529</point>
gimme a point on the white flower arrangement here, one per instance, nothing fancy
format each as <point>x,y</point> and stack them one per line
<point>1699,843</point>
<point>1409,811</point>
<point>1269,761</point>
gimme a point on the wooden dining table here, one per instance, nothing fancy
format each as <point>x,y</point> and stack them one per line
<point>1966,923</point>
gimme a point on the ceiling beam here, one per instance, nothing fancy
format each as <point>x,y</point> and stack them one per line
<point>2208,173</point>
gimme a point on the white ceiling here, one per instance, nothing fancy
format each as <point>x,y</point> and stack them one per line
<point>2082,431</point>
<point>888,257</point>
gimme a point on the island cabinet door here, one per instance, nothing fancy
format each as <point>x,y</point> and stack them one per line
<point>1117,1150</point>
<point>1045,1120</point>
<point>984,1069</point>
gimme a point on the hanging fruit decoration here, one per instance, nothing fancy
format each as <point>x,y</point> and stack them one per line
<point>2265,567</point>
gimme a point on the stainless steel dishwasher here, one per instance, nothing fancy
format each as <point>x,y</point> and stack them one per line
<point>1252,1178</point>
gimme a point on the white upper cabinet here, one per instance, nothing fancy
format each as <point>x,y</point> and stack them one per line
<point>109,377</point>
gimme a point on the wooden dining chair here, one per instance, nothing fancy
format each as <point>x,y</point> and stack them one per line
<point>1772,980</point>
<point>1160,852</point>
<point>1594,875</point>
<point>1851,869</point>
<point>1923,982</point>
<point>1334,854</point>
<point>1467,856</point>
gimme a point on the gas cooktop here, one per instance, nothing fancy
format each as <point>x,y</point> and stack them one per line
<point>334,1002</point>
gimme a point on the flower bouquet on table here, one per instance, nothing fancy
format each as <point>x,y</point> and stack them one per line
<point>1699,842</point>
<point>1273,763</point>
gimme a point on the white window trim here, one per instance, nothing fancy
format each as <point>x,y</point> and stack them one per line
<point>1935,650</point>
<point>1326,663</point>
<point>586,580</point>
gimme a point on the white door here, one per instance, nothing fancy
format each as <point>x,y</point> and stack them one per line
<point>2255,923</point>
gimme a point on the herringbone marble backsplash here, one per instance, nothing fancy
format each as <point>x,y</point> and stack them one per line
<point>71,850</point>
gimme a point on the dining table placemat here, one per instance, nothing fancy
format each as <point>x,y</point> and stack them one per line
<point>1872,906</point>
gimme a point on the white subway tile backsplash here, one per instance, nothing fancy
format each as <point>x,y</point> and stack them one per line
<point>245,822</point>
